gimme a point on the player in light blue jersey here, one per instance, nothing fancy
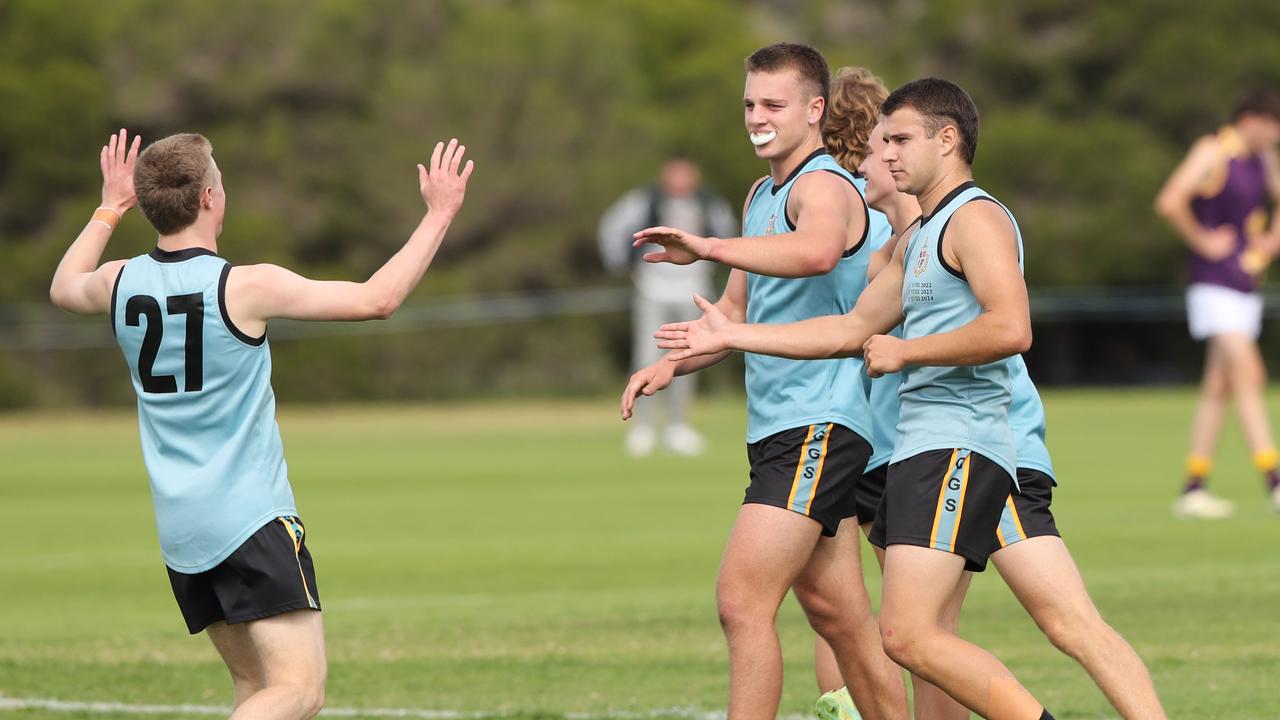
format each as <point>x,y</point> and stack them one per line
<point>804,255</point>
<point>1040,573</point>
<point>193,331</point>
<point>963,307</point>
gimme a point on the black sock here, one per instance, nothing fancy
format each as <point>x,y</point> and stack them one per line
<point>1044,715</point>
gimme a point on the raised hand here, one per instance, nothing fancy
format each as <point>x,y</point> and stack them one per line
<point>679,247</point>
<point>882,354</point>
<point>706,336</point>
<point>117,160</point>
<point>443,187</point>
<point>646,381</point>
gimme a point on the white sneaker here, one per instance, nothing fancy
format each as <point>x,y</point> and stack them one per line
<point>641,441</point>
<point>1275,499</point>
<point>1202,505</point>
<point>684,440</point>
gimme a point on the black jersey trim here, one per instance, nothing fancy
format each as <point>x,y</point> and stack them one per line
<point>115,292</point>
<point>943,258</point>
<point>226,317</point>
<point>173,256</point>
<point>947,200</point>
<point>815,154</point>
<point>866,226</point>
<point>755,190</point>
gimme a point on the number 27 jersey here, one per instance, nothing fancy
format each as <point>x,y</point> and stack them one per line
<point>206,410</point>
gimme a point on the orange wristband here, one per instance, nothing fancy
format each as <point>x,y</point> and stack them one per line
<point>107,217</point>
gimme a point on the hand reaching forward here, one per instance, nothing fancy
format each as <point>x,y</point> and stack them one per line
<point>117,160</point>
<point>707,335</point>
<point>679,247</point>
<point>646,381</point>
<point>442,186</point>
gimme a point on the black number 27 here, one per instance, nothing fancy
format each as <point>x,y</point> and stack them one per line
<point>190,305</point>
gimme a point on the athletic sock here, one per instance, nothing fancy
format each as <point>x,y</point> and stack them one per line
<point>1198,467</point>
<point>1266,461</point>
<point>1044,715</point>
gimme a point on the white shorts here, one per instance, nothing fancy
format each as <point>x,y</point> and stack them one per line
<point>1216,310</point>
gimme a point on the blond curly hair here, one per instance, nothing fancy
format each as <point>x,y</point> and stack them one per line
<point>854,109</point>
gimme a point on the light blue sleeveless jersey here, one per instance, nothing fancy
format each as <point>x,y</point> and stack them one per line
<point>206,411</point>
<point>882,392</point>
<point>950,407</point>
<point>781,393</point>
<point>1026,419</point>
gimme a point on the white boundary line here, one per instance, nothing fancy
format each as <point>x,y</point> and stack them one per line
<point>683,713</point>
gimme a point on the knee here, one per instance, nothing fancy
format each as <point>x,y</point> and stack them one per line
<point>311,697</point>
<point>737,609</point>
<point>1073,634</point>
<point>905,644</point>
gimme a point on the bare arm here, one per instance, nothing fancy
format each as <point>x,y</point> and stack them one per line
<point>825,218</point>
<point>1173,203</point>
<point>257,293</point>
<point>79,284</point>
<point>656,377</point>
<point>982,244</point>
<point>879,309</point>
<point>1272,164</point>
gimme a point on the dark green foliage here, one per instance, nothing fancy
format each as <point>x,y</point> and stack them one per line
<point>318,117</point>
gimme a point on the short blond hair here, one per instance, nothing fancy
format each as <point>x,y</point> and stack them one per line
<point>856,96</point>
<point>169,177</point>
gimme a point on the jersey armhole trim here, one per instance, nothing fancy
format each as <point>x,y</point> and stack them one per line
<point>115,292</point>
<point>866,228</point>
<point>942,259</point>
<point>226,317</point>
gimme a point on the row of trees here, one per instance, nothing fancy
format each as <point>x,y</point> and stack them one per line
<point>318,112</point>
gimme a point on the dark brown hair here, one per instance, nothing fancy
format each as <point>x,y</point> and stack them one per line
<point>941,103</point>
<point>806,61</point>
<point>856,96</point>
<point>1260,101</point>
<point>169,177</point>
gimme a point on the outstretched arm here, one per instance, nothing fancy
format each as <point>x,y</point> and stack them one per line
<point>656,377</point>
<point>257,293</point>
<point>79,284</point>
<point>982,244</point>
<point>879,309</point>
<point>825,218</point>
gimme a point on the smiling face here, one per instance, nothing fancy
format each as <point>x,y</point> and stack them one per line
<point>915,157</point>
<point>781,111</point>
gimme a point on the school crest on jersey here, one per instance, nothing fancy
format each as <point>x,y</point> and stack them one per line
<point>773,225</point>
<point>922,260</point>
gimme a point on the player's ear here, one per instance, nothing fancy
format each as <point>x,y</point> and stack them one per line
<point>816,106</point>
<point>949,136</point>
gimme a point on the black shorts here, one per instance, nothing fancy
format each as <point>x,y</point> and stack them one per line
<point>944,499</point>
<point>1026,512</point>
<point>270,574</point>
<point>869,492</point>
<point>811,470</point>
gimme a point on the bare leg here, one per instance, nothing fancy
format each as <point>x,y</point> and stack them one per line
<point>241,657</point>
<point>931,702</point>
<point>1044,578</point>
<point>834,597</point>
<point>277,664</point>
<point>1247,376</point>
<point>767,549</point>
<point>918,585</point>
<point>1214,391</point>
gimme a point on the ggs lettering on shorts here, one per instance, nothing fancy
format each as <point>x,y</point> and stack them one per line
<point>946,520</point>
<point>809,471</point>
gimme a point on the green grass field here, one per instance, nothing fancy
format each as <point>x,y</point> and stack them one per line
<point>508,559</point>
